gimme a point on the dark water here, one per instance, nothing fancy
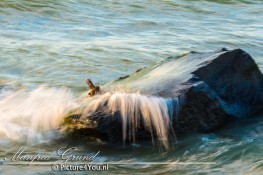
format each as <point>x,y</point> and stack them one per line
<point>60,43</point>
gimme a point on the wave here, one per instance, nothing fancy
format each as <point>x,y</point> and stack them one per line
<point>34,117</point>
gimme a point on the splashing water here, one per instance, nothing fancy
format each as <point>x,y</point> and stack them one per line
<point>34,116</point>
<point>155,112</point>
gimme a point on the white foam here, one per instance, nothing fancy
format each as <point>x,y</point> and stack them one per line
<point>155,112</point>
<point>33,117</point>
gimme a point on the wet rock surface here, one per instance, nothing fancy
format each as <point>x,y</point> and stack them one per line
<point>213,89</point>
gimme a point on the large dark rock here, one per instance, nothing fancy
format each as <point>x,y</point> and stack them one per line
<point>206,90</point>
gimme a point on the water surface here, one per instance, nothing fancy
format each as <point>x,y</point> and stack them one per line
<point>61,43</point>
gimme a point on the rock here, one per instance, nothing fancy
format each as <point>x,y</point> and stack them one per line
<point>197,92</point>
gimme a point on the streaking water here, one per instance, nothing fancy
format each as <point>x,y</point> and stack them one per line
<point>155,112</point>
<point>34,117</point>
<point>61,43</point>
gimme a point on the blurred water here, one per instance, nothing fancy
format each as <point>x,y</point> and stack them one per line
<point>61,43</point>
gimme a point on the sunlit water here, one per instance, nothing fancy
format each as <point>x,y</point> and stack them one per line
<point>61,43</point>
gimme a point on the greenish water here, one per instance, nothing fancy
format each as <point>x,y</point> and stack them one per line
<point>61,43</point>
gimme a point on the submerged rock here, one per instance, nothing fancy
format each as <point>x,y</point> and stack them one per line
<point>197,92</point>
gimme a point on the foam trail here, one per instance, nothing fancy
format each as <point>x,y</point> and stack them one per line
<point>33,117</point>
<point>155,112</point>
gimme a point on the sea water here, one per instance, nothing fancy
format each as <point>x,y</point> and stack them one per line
<point>48,48</point>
